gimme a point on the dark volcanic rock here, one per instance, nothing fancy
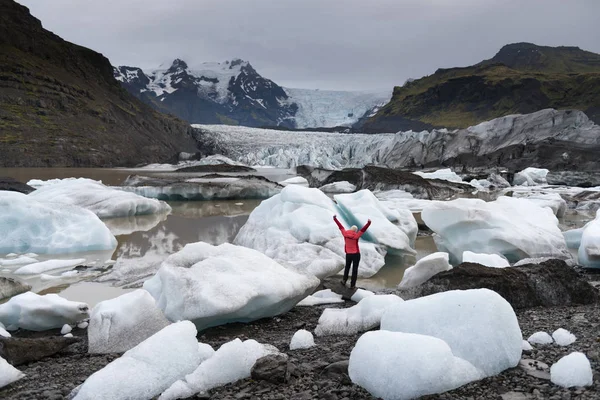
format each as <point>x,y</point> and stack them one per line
<point>380,178</point>
<point>10,287</point>
<point>550,283</point>
<point>19,351</point>
<point>7,183</point>
<point>274,368</point>
<point>60,105</point>
<point>217,168</point>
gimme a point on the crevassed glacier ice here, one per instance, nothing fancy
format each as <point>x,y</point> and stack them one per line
<point>589,247</point>
<point>231,362</point>
<point>395,229</point>
<point>397,365</point>
<point>39,313</point>
<point>511,227</point>
<point>445,174</point>
<point>296,229</point>
<point>214,285</point>
<point>359,318</point>
<point>149,368</point>
<point>32,226</point>
<point>104,201</point>
<point>122,323</point>
<point>489,260</point>
<point>478,325</point>
<point>424,269</point>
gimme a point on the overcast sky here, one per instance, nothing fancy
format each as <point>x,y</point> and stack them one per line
<point>326,44</point>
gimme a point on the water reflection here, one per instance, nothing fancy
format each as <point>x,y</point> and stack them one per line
<point>128,225</point>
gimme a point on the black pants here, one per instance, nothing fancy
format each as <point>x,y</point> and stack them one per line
<point>353,259</point>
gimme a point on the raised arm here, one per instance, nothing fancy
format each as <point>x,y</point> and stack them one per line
<point>364,228</point>
<point>338,223</point>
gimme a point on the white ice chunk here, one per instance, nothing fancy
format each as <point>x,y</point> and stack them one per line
<point>489,260</point>
<point>49,265</point>
<point>302,339</point>
<point>149,368</point>
<point>563,337</point>
<point>66,329</point>
<point>526,346</point>
<point>214,285</point>
<point>589,248</point>
<point>231,362</point>
<point>44,228</point>
<point>573,237</point>
<point>326,296</point>
<point>338,187</point>
<point>297,180</point>
<point>296,229</point>
<point>38,313</point>
<point>68,335</point>
<point>478,325</point>
<point>511,227</point>
<point>361,294</point>
<point>572,370</point>
<point>104,201</point>
<point>531,177</point>
<point>359,318</point>
<point>3,331</point>
<point>540,338</point>
<point>444,174</point>
<point>552,201</point>
<point>8,373</point>
<point>424,269</point>
<point>17,261</point>
<point>206,351</point>
<point>120,324</point>
<point>82,325</point>
<point>397,365</point>
<point>391,228</point>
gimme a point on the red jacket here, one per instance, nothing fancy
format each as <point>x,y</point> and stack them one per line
<point>351,237</point>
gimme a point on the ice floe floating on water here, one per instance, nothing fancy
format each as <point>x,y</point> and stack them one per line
<point>38,313</point>
<point>563,337</point>
<point>302,339</point>
<point>230,363</point>
<point>359,318</point>
<point>104,201</point>
<point>511,227</point>
<point>489,260</point>
<point>424,269</point>
<point>214,285</point>
<point>48,265</point>
<point>8,262</point>
<point>338,187</point>
<point>148,369</point>
<point>398,365</point>
<point>572,370</point>
<point>444,174</point>
<point>478,325</point>
<point>43,228</point>
<point>119,324</point>
<point>297,180</point>
<point>531,177</point>
<point>540,338</point>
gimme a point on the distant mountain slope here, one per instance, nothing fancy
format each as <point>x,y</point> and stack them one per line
<point>521,78</point>
<point>233,93</point>
<point>61,106</point>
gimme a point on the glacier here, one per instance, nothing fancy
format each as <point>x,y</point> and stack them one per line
<point>285,149</point>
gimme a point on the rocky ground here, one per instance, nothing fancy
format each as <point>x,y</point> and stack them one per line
<point>319,372</point>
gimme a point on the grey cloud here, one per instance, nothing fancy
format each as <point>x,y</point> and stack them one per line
<point>328,44</point>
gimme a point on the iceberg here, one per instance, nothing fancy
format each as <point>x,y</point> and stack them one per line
<point>32,226</point>
<point>48,265</point>
<point>122,323</point>
<point>551,200</point>
<point>572,370</point>
<point>39,313</point>
<point>394,229</point>
<point>397,365</point>
<point>589,247</point>
<point>297,180</point>
<point>9,262</point>
<point>359,318</point>
<point>424,269</point>
<point>302,339</point>
<point>148,369</point>
<point>489,260</point>
<point>338,187</point>
<point>478,325</point>
<point>296,229</point>
<point>444,174</point>
<point>531,177</point>
<point>230,363</point>
<point>214,285</point>
<point>8,373</point>
<point>104,201</point>
<point>510,227</point>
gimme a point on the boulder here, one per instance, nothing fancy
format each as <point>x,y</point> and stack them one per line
<point>8,183</point>
<point>273,368</point>
<point>550,283</point>
<point>11,287</point>
<point>19,351</point>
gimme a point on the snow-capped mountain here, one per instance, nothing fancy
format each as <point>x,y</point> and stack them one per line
<point>233,93</point>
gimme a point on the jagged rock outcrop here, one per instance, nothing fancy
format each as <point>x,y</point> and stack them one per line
<point>61,106</point>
